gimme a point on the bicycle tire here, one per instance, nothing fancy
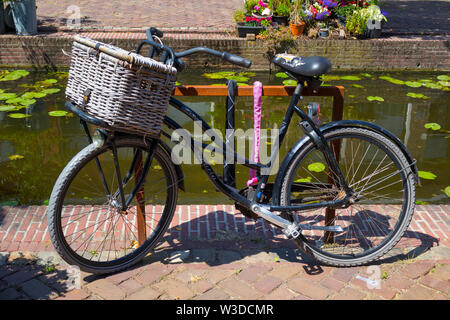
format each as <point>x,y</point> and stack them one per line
<point>64,182</point>
<point>316,248</point>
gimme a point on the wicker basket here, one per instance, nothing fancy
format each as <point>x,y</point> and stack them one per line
<point>126,90</point>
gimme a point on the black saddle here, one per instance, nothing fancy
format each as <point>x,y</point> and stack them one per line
<point>300,67</point>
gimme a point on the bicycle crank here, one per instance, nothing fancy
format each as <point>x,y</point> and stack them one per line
<point>290,229</point>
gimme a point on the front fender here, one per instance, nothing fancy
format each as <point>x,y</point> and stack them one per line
<point>331,126</point>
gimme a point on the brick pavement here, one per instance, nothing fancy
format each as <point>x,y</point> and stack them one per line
<point>417,17</point>
<point>234,259</point>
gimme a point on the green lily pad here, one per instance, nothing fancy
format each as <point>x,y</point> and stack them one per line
<point>357,86</point>
<point>281,75</point>
<point>237,78</point>
<point>417,95</point>
<point>290,82</point>
<point>219,75</point>
<point>17,74</point>
<point>8,108</point>
<point>433,126</point>
<point>15,157</point>
<point>316,167</point>
<point>58,113</point>
<point>351,78</point>
<point>432,85</point>
<point>424,80</point>
<point>7,96</point>
<point>18,115</point>
<point>375,98</point>
<point>447,191</point>
<point>55,90</point>
<point>247,74</point>
<point>427,175</point>
<point>444,83</point>
<point>367,75</point>
<point>413,84</point>
<point>443,77</point>
<point>308,179</point>
<point>328,77</point>
<point>14,100</point>
<point>52,81</point>
<point>27,102</point>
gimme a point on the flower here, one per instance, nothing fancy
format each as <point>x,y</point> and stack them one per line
<point>256,8</point>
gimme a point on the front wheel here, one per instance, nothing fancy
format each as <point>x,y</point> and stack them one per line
<point>382,180</point>
<point>87,226</point>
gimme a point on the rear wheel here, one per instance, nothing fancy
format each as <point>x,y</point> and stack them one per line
<point>86,225</point>
<point>383,182</point>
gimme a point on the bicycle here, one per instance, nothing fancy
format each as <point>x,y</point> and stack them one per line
<point>355,168</point>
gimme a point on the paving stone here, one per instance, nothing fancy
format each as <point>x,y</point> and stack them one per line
<point>349,294</point>
<point>417,269</point>
<point>201,286</point>
<point>398,282</point>
<point>332,284</point>
<point>203,255</point>
<point>227,256</point>
<point>417,292</point>
<point>152,274</point>
<point>3,258</point>
<point>285,272</point>
<point>144,294</point>
<point>217,275</point>
<point>44,258</point>
<point>280,293</point>
<point>213,294</point>
<point>190,275</point>
<point>309,289</point>
<point>130,286</point>
<point>434,283</point>
<point>267,284</point>
<point>79,294</point>
<point>253,272</point>
<point>10,294</point>
<point>36,290</point>
<point>106,290</point>
<point>21,276</point>
<point>178,256</point>
<point>22,258</point>
<point>344,274</point>
<point>174,289</point>
<point>239,289</point>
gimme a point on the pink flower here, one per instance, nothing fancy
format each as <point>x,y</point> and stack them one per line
<point>256,8</point>
<point>262,4</point>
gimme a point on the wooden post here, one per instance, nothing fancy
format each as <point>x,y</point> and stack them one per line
<point>140,202</point>
<point>337,114</point>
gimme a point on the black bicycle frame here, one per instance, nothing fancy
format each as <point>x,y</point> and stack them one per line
<point>310,129</point>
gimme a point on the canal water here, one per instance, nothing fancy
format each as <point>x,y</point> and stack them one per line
<point>36,142</point>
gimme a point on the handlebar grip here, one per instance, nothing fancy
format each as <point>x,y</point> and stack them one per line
<point>237,60</point>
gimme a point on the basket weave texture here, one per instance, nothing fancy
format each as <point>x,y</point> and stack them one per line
<point>127,91</point>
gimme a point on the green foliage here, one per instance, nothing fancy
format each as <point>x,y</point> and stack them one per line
<point>239,16</point>
<point>417,95</point>
<point>277,40</point>
<point>356,23</point>
<point>290,82</point>
<point>447,191</point>
<point>248,6</point>
<point>375,98</point>
<point>316,167</point>
<point>433,126</point>
<point>281,75</point>
<point>427,175</point>
<point>351,78</point>
<point>14,75</point>
<point>58,113</point>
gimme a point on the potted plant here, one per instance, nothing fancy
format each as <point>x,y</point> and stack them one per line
<point>24,15</point>
<point>281,11</point>
<point>297,23</point>
<point>260,9</point>
<point>374,21</point>
<point>247,22</point>
<point>323,31</point>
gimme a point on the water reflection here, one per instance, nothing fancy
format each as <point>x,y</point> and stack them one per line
<point>48,143</point>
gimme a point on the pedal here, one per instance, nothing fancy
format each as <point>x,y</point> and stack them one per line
<point>292,231</point>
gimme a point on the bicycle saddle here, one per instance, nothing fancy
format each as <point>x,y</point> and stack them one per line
<point>300,66</point>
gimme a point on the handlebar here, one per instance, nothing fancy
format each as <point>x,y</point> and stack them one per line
<point>168,55</point>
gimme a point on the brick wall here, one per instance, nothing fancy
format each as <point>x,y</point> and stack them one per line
<point>380,54</point>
